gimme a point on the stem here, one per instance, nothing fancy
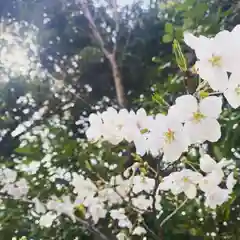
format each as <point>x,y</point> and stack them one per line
<point>191,165</point>
<point>110,55</point>
<point>173,213</point>
<point>93,229</point>
<point>155,236</point>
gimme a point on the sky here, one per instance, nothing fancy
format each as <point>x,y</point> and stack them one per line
<point>124,2</point>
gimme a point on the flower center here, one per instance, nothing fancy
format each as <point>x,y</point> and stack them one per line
<point>237,90</point>
<point>119,126</point>
<point>169,136</point>
<point>186,179</point>
<point>216,61</point>
<point>143,131</point>
<point>198,116</point>
<point>205,181</point>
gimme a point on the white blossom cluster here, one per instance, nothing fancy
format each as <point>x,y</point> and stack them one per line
<point>11,186</point>
<point>188,181</point>
<point>99,202</point>
<point>218,62</point>
<point>19,53</point>
<point>191,121</point>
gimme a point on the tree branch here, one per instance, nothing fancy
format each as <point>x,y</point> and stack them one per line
<point>116,19</point>
<point>110,55</point>
<point>173,213</point>
<point>94,230</point>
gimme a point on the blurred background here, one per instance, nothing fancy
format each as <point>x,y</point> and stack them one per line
<point>55,71</point>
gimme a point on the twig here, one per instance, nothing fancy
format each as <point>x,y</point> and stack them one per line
<point>111,56</point>
<point>156,187</point>
<point>93,229</point>
<point>155,236</point>
<point>173,213</point>
<point>116,18</point>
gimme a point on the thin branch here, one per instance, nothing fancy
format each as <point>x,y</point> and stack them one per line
<point>156,187</point>
<point>154,235</point>
<point>117,23</point>
<point>173,213</point>
<point>93,229</point>
<point>111,56</point>
<point>86,224</point>
<point>5,196</point>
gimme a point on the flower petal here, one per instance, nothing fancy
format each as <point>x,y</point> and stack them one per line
<point>231,181</point>
<point>174,150</point>
<point>215,76</point>
<point>194,132</point>
<point>231,94</point>
<point>211,106</point>
<point>191,191</point>
<point>211,129</point>
<point>232,97</point>
<point>207,164</point>
<point>185,106</point>
<point>140,144</point>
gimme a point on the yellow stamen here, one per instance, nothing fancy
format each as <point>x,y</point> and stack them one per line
<point>169,136</point>
<point>237,90</point>
<point>198,116</point>
<point>185,179</point>
<point>215,61</point>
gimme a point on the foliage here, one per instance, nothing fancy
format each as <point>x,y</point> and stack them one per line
<point>76,80</point>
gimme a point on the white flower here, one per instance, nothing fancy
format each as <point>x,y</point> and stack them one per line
<point>47,219</point>
<point>214,60</point>
<point>140,131</point>
<point>183,181</point>
<point>231,181</point>
<point>67,207</point>
<point>82,186</point>
<point>110,195</point>
<point>95,209</point>
<point>168,136</point>
<point>158,205</point>
<point>200,118</point>
<point>23,186</point>
<point>142,203</point>
<point>62,205</point>
<point>18,190</point>
<point>122,236</point>
<point>39,207</point>
<point>216,197</point>
<point>121,186</point>
<point>7,175</point>
<point>211,181</point>
<point>30,168</point>
<point>208,164</point>
<point>117,213</point>
<point>113,124</point>
<point>141,183</point>
<point>214,174</point>
<point>232,93</point>
<point>123,221</point>
<point>94,132</point>
<point>139,231</point>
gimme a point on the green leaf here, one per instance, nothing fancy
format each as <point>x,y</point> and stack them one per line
<point>159,99</point>
<point>167,38</point>
<point>180,59</point>
<point>203,94</point>
<point>169,28</point>
<point>157,60</point>
<point>179,34</point>
<point>25,150</point>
